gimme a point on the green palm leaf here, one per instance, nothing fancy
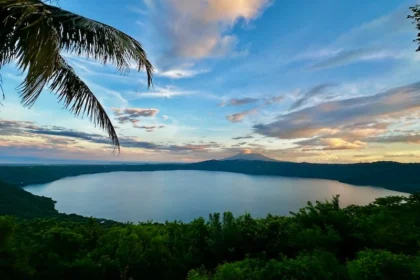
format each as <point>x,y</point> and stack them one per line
<point>102,42</point>
<point>33,34</point>
<point>79,99</point>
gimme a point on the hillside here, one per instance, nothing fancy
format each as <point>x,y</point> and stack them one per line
<point>17,202</point>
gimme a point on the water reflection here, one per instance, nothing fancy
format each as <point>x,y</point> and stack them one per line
<point>184,195</point>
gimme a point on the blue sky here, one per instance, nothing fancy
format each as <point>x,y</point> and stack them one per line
<point>317,81</point>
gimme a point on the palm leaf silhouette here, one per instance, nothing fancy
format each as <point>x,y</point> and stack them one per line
<point>33,34</point>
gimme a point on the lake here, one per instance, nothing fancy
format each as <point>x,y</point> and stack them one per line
<point>185,195</point>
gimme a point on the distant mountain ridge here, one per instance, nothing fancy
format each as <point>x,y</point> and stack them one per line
<point>249,156</point>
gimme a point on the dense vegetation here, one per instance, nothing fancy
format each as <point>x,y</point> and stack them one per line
<point>17,202</point>
<point>391,175</point>
<point>321,241</point>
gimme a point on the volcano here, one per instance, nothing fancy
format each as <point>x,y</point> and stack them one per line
<point>249,156</point>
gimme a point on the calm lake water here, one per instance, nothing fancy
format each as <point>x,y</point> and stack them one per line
<point>185,195</point>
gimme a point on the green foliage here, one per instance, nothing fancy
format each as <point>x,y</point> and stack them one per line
<point>380,264</point>
<point>318,265</point>
<point>16,201</point>
<point>321,241</point>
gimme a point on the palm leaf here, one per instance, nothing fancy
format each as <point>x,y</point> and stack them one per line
<point>34,33</point>
<point>79,99</point>
<point>29,37</point>
<point>102,42</point>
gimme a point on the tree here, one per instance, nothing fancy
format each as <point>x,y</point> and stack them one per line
<point>34,33</point>
<point>380,264</point>
<point>415,16</point>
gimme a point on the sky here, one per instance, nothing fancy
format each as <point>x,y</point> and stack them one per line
<point>297,80</point>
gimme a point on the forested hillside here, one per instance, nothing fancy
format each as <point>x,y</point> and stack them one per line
<point>321,241</point>
<point>16,201</point>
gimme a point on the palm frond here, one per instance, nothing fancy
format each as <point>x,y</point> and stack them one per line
<point>79,99</point>
<point>102,42</point>
<point>29,37</point>
<point>33,33</point>
<point>1,89</point>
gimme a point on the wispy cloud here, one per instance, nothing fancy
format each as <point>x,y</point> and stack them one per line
<point>273,99</point>
<point>238,117</point>
<point>133,114</point>
<point>331,144</point>
<point>149,128</point>
<point>242,137</point>
<point>262,101</point>
<point>182,72</point>
<point>29,129</point>
<point>413,138</point>
<point>319,89</point>
<point>374,40</point>
<point>196,29</point>
<point>161,92</point>
<point>265,100</point>
<point>345,57</point>
<point>24,128</point>
<point>137,10</point>
<point>239,101</point>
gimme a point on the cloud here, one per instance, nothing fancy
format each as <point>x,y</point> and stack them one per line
<point>199,29</point>
<point>317,90</point>
<point>273,99</point>
<point>402,155</point>
<point>137,11</point>
<point>345,57</point>
<point>180,73</point>
<point>331,144</point>
<point>132,114</point>
<point>60,141</point>
<point>239,101</point>
<point>91,137</point>
<point>165,117</point>
<point>355,119</point>
<point>374,32</point>
<point>24,128</point>
<point>242,137</point>
<point>382,38</point>
<point>238,117</point>
<point>29,129</point>
<point>242,101</point>
<point>14,127</point>
<point>402,138</point>
<point>136,112</point>
<point>247,100</point>
<point>239,144</point>
<point>130,142</point>
<point>161,92</point>
<point>149,128</point>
